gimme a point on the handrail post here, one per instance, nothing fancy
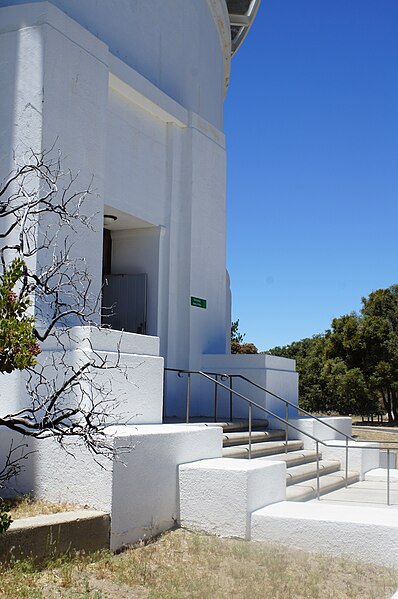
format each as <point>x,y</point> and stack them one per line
<point>346,462</point>
<point>286,426</point>
<point>388,477</point>
<point>164,396</point>
<point>188,397</point>
<point>215,397</point>
<point>250,430</point>
<point>230,397</point>
<point>317,471</point>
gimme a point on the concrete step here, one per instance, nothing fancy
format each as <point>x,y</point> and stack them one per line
<point>294,458</point>
<point>261,449</point>
<point>304,472</point>
<point>243,425</point>
<point>227,425</point>
<point>242,437</point>
<point>328,483</point>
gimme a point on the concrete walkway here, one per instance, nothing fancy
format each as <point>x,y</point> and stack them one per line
<point>365,493</point>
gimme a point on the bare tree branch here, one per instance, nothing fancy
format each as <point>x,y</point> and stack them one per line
<point>40,214</point>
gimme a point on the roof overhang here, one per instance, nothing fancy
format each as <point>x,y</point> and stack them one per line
<point>233,19</point>
<point>241,16</point>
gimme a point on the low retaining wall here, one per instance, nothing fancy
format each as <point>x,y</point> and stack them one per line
<point>39,537</point>
<point>356,532</point>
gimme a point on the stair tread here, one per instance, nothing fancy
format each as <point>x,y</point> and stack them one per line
<point>242,437</point>
<point>293,458</point>
<point>304,491</point>
<point>264,448</point>
<point>304,472</point>
<point>243,425</point>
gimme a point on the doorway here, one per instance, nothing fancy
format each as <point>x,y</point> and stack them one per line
<point>124,296</point>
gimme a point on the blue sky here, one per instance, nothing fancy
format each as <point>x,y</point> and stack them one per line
<point>311,119</point>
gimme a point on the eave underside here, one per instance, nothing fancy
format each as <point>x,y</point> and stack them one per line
<point>241,17</point>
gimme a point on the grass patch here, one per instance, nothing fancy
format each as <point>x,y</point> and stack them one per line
<point>182,565</point>
<point>26,506</point>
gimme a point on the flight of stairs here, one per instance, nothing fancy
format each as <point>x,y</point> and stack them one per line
<point>301,465</point>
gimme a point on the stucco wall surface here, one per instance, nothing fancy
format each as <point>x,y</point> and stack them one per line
<point>321,429</point>
<point>145,497</point>
<point>162,41</point>
<point>137,485</point>
<point>128,386</point>
<point>275,374</point>
<point>365,534</point>
<point>360,459</point>
<point>219,495</point>
<point>159,166</point>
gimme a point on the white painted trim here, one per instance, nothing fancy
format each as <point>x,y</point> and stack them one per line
<point>127,82</point>
<point>14,18</point>
<point>219,12</point>
<point>138,90</point>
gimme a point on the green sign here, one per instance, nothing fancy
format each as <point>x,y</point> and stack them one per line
<point>198,302</point>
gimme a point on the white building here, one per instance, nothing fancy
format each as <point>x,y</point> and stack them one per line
<point>132,94</point>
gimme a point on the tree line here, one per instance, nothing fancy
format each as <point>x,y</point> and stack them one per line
<point>352,368</point>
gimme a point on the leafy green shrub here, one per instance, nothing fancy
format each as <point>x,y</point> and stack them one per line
<point>5,518</point>
<point>18,344</point>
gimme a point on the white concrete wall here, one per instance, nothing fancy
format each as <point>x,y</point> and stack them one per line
<point>21,92</point>
<point>361,458</point>
<point>219,495</point>
<point>61,107</point>
<point>130,387</point>
<point>145,483</point>
<point>177,182</point>
<point>136,159</point>
<point>154,161</point>
<point>333,442</point>
<point>135,387</point>
<point>360,533</point>
<point>162,41</point>
<point>150,135</point>
<point>137,486</point>
<point>270,372</point>
<point>342,426</point>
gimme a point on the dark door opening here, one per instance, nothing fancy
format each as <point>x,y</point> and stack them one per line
<point>124,296</point>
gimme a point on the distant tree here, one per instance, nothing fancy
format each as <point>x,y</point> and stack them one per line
<point>369,342</point>
<point>309,356</point>
<point>237,345</point>
<point>353,367</point>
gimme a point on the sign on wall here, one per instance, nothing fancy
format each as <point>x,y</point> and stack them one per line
<point>198,302</point>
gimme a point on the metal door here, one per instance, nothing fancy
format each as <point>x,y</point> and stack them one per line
<point>124,302</point>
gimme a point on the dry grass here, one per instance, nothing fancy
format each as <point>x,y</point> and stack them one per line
<point>26,506</point>
<point>182,565</point>
<point>367,435</point>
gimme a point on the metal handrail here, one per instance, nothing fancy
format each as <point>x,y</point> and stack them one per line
<point>289,403</point>
<point>251,403</point>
